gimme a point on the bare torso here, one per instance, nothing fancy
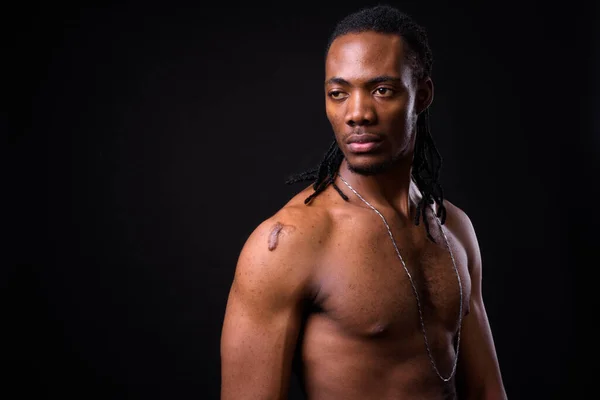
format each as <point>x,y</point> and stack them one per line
<point>361,336</point>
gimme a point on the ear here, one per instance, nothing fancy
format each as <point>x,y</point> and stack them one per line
<point>424,95</point>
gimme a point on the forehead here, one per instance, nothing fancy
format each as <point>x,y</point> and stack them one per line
<point>366,54</point>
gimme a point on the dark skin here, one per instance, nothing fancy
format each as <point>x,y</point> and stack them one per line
<point>328,274</point>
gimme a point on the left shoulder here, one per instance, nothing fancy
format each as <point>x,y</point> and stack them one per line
<point>456,218</point>
<point>461,227</point>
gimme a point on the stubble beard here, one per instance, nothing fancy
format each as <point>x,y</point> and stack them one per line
<point>375,168</point>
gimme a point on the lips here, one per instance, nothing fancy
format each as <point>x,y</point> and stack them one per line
<point>363,138</point>
<point>363,143</point>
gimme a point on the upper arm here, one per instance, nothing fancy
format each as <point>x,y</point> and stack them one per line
<point>478,368</point>
<point>263,313</point>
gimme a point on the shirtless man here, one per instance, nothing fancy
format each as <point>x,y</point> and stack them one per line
<point>368,282</point>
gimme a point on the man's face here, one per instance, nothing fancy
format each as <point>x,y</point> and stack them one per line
<point>372,101</point>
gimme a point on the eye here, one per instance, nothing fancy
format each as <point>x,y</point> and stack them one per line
<point>384,92</point>
<point>337,94</point>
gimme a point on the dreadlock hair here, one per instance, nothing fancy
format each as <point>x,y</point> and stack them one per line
<point>427,160</point>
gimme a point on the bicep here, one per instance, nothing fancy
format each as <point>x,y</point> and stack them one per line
<point>479,372</point>
<point>261,324</point>
<point>256,348</point>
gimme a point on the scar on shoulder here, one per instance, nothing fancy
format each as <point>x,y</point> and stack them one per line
<point>278,229</point>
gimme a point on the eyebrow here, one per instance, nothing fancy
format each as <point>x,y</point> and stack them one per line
<point>373,81</point>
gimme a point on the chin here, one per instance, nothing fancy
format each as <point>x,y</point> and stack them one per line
<point>370,167</point>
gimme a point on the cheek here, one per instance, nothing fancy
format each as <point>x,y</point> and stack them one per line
<point>404,112</point>
<point>401,122</point>
<point>333,115</point>
<point>399,115</point>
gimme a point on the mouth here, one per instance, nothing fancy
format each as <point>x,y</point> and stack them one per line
<point>363,143</point>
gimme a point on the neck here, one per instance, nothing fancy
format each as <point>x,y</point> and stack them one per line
<point>392,188</point>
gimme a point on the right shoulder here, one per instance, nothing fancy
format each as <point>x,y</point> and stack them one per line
<point>284,250</point>
<point>292,231</point>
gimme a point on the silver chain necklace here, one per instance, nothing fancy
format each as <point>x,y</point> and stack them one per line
<point>412,283</point>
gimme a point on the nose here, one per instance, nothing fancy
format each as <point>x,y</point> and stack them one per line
<point>360,111</point>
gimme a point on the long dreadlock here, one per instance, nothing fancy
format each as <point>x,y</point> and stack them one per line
<point>427,161</point>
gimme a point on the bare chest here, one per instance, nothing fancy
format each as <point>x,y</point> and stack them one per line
<point>368,287</point>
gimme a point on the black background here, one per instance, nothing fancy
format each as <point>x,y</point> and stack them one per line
<point>148,140</point>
